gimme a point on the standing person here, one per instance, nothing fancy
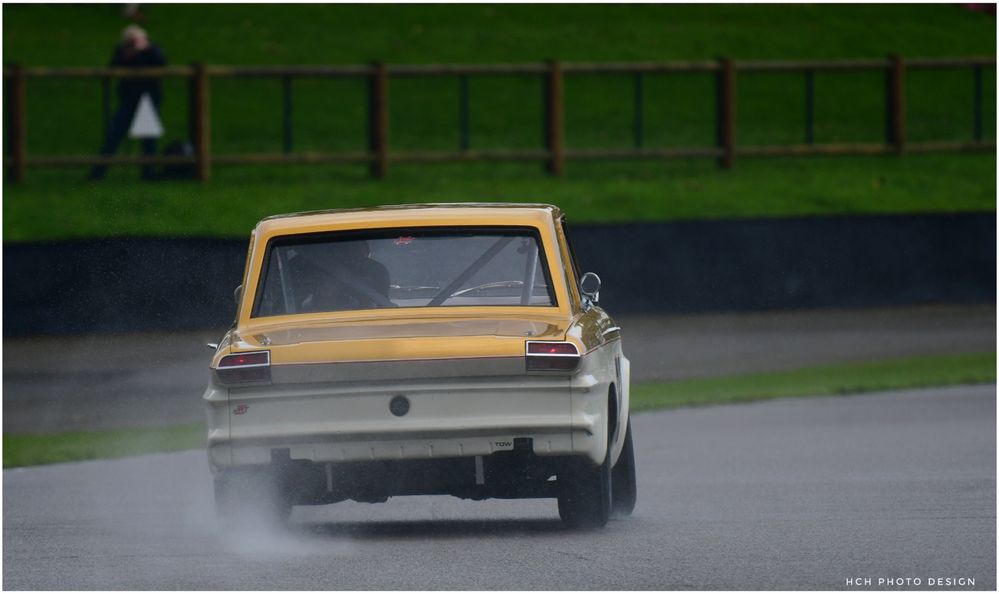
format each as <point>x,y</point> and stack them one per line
<point>134,51</point>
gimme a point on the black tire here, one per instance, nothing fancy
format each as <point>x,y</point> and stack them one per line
<point>624,484</point>
<point>246,498</point>
<point>584,499</point>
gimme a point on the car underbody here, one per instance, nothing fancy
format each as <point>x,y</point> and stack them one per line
<point>270,491</point>
<point>514,474</point>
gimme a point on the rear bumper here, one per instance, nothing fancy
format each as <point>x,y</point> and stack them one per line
<point>352,422</point>
<point>441,442</point>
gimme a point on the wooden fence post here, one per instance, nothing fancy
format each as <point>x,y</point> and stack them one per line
<point>464,114</point>
<point>809,106</point>
<point>554,119</point>
<point>978,102</point>
<point>286,113</point>
<point>639,109</point>
<point>378,119</point>
<point>202,124</point>
<point>895,99</point>
<point>105,103</point>
<point>19,121</point>
<point>725,102</point>
<point>192,107</point>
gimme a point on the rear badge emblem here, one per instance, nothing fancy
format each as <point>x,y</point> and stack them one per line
<point>399,405</point>
<point>242,408</point>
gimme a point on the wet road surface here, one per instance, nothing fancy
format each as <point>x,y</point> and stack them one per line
<point>787,494</point>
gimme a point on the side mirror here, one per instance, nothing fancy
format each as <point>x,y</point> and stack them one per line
<point>237,293</point>
<point>589,286</point>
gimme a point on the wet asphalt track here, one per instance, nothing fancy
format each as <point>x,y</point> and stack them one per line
<point>789,494</point>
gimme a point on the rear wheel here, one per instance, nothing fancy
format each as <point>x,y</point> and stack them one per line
<point>584,499</point>
<point>623,478</point>
<point>249,498</point>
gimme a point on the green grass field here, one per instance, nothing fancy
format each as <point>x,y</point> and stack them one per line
<point>316,34</point>
<point>853,378</point>
<point>848,378</point>
<point>329,115</point>
<point>232,205</point>
<point>52,448</point>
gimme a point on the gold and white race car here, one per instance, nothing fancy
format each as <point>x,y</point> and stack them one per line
<point>419,349</point>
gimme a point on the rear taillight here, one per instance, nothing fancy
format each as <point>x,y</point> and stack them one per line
<point>552,356</point>
<point>245,367</point>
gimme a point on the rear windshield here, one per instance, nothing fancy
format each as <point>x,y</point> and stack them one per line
<point>403,268</point>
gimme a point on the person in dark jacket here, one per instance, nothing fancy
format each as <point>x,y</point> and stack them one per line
<point>134,51</point>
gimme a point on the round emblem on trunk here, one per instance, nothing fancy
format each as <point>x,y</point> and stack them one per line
<point>399,405</point>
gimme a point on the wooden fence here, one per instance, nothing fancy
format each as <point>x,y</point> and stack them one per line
<point>553,153</point>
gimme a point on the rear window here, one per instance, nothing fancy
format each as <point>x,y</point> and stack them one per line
<point>420,267</point>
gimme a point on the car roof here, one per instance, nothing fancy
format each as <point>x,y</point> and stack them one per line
<point>422,214</point>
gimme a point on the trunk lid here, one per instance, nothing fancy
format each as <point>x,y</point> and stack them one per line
<point>400,339</point>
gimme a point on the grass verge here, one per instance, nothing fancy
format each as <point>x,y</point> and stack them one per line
<point>29,449</point>
<point>596,192</point>
<point>847,378</point>
<point>851,378</point>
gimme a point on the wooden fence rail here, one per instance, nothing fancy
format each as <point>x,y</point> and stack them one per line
<point>554,153</point>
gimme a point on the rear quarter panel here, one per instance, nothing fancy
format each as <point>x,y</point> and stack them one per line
<point>600,387</point>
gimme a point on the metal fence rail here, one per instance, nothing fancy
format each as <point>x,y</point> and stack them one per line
<point>553,153</point>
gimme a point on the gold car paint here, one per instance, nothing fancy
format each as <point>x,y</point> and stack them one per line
<point>568,268</point>
<point>407,328</point>
<point>539,217</point>
<point>246,268</point>
<point>389,336</point>
<point>389,340</point>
